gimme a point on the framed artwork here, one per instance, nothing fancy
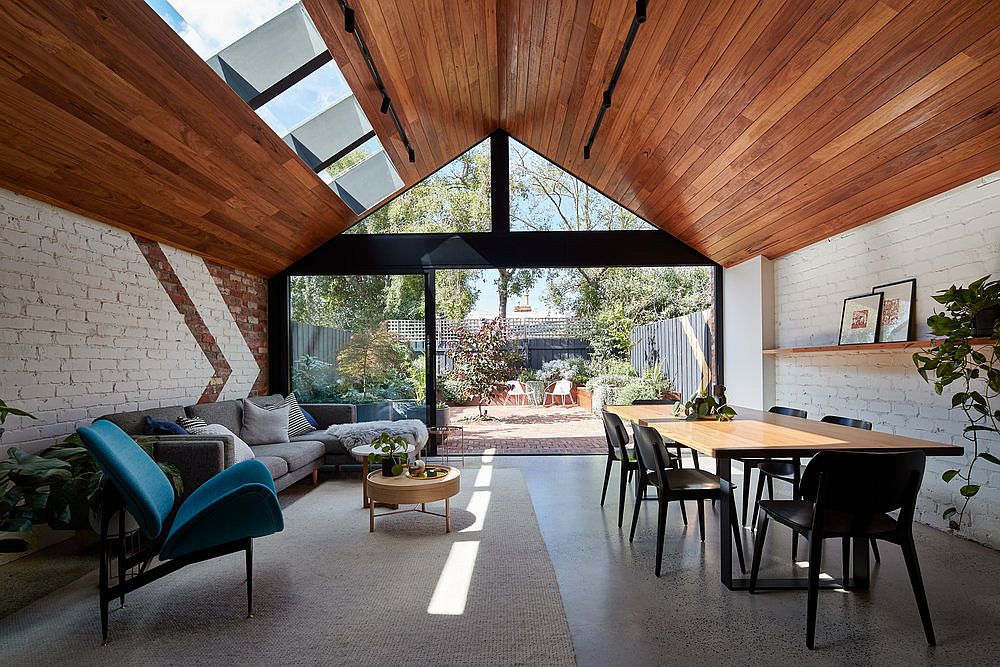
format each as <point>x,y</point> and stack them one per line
<point>896,322</point>
<point>859,324</point>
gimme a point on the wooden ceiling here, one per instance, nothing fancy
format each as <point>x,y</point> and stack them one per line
<point>741,127</point>
<point>105,111</point>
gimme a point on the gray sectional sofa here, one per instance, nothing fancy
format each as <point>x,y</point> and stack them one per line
<point>200,457</point>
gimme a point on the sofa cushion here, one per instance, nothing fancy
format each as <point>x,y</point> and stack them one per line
<point>264,426</point>
<point>332,443</point>
<point>264,401</point>
<point>296,454</point>
<point>158,427</point>
<point>227,413</point>
<point>133,422</point>
<point>276,465</point>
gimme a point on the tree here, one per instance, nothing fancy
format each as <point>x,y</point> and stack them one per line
<point>482,361</point>
<point>372,357</point>
<point>513,282</point>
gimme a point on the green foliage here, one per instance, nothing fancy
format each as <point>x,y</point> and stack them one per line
<point>611,336</point>
<point>52,485</point>
<point>311,378</point>
<point>389,446</point>
<point>597,367</point>
<point>704,406</point>
<point>970,372</point>
<point>372,358</point>
<point>417,376</point>
<point>482,363</point>
<point>528,375</point>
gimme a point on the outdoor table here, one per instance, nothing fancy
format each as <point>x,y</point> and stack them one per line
<point>754,434</point>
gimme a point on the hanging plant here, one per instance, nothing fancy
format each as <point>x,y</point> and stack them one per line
<point>972,367</point>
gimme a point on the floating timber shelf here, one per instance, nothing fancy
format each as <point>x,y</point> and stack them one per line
<point>867,347</point>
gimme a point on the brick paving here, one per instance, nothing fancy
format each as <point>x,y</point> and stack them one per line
<point>530,429</point>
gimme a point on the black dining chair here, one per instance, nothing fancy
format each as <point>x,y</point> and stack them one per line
<point>849,495</point>
<point>618,452</point>
<point>677,449</point>
<point>750,464</point>
<point>674,483</point>
<point>791,471</point>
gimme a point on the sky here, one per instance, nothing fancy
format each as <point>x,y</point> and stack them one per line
<point>488,304</point>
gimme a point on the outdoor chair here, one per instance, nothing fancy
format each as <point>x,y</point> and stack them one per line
<point>619,452</point>
<point>220,517</point>
<point>674,484</point>
<point>849,495</point>
<point>563,389</point>
<point>515,390</point>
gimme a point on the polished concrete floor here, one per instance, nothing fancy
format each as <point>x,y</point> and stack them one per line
<point>620,613</point>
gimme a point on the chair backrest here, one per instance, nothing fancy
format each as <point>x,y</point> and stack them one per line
<point>562,387</point>
<point>788,412</point>
<point>145,490</point>
<point>864,483</point>
<point>514,387</point>
<point>616,434</point>
<point>847,421</point>
<point>650,451</point>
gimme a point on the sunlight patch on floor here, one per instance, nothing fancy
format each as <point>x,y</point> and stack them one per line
<point>478,505</point>
<point>452,590</point>
<point>484,477</point>
<point>488,454</point>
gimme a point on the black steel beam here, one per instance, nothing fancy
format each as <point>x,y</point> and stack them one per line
<point>404,253</point>
<point>292,78</point>
<point>278,342</point>
<point>500,181</point>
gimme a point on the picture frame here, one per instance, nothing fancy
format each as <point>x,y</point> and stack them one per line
<point>860,319</point>
<point>897,321</point>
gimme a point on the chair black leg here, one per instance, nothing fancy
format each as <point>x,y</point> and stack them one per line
<point>607,478</point>
<point>815,562</point>
<point>684,514</point>
<point>737,535</point>
<point>694,459</point>
<point>622,483</point>
<point>701,519</point>
<point>103,577</point>
<point>249,578</point>
<point>845,546</point>
<point>661,527</point>
<point>758,549</point>
<point>747,470</point>
<point>795,546</point>
<point>760,493</point>
<point>917,582</point>
<point>770,489</point>
<point>878,558</point>
<point>639,495</point>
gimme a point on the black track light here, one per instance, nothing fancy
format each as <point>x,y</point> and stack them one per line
<point>410,154</point>
<point>386,103</point>
<point>607,99</point>
<point>349,20</point>
<point>640,11</point>
<point>586,152</point>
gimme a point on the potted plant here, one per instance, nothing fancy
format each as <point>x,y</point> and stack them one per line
<point>955,361</point>
<point>706,406</point>
<point>391,453</point>
<point>442,413</point>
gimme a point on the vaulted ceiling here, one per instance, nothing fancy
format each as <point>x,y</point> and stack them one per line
<point>741,127</point>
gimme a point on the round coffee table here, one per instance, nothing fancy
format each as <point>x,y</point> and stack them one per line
<point>361,453</point>
<point>404,490</point>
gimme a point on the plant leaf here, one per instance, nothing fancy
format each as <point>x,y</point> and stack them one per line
<point>969,490</point>
<point>949,475</point>
<point>950,512</point>
<point>989,457</point>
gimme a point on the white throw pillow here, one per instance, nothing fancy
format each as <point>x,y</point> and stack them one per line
<point>241,450</point>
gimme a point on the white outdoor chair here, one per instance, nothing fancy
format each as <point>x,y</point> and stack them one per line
<point>563,389</point>
<point>515,390</point>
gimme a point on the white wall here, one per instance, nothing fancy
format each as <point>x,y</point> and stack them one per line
<point>87,328</point>
<point>748,317</point>
<point>951,238</point>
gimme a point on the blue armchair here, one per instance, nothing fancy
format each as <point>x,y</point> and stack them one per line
<point>221,517</point>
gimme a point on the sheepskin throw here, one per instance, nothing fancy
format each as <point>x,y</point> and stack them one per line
<point>363,433</point>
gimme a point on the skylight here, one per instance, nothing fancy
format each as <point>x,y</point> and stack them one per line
<point>272,56</point>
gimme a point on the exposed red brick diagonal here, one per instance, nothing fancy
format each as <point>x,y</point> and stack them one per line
<point>246,296</point>
<point>165,273</point>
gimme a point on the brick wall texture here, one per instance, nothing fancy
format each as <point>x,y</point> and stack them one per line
<point>951,238</point>
<point>95,320</point>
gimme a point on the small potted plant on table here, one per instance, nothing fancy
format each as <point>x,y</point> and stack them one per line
<point>391,453</point>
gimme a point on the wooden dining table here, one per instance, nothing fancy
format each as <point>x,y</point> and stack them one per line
<point>754,434</point>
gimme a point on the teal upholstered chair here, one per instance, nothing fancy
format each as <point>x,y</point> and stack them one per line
<point>222,516</point>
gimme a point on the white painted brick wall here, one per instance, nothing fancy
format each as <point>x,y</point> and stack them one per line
<point>951,238</point>
<point>87,329</point>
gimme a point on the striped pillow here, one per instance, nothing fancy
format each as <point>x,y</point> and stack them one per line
<point>188,423</point>
<point>297,422</point>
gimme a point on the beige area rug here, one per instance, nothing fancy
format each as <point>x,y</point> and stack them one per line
<point>327,591</point>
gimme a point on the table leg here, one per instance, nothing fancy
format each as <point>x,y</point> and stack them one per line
<point>371,517</point>
<point>447,515</point>
<point>364,482</point>
<point>726,502</point>
<point>860,564</point>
